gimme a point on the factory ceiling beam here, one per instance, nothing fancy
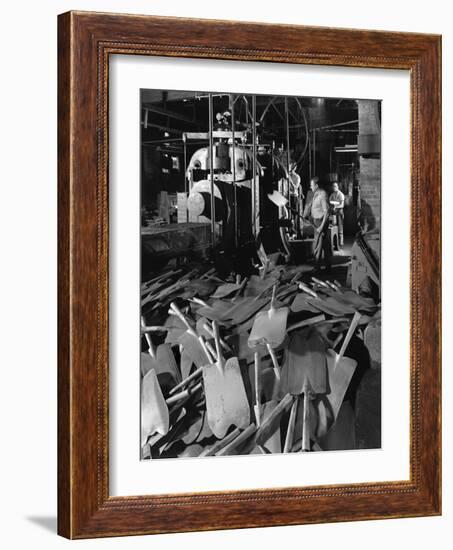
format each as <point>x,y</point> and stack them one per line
<point>147,124</point>
<point>167,113</point>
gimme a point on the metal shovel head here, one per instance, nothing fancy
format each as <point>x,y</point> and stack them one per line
<point>186,364</point>
<point>245,308</point>
<point>218,311</point>
<point>175,329</point>
<point>362,303</point>
<point>340,372</point>
<point>305,363</point>
<point>269,327</point>
<point>225,290</point>
<point>226,399</point>
<point>154,409</point>
<point>300,303</point>
<point>147,363</point>
<point>256,285</point>
<point>192,347</point>
<point>167,363</point>
<point>202,287</point>
<point>331,307</point>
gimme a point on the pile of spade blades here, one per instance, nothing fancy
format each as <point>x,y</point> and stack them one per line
<point>245,366</point>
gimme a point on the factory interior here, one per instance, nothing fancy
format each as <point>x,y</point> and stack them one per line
<point>260,262</point>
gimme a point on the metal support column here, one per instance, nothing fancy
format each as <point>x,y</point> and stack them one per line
<point>255,191</point>
<point>314,153</point>
<point>233,171</point>
<point>287,149</point>
<point>211,167</point>
<point>186,186</point>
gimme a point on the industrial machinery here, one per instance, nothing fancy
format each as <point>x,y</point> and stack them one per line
<point>243,187</point>
<point>241,178</point>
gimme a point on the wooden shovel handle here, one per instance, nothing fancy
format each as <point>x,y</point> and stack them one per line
<point>291,424</point>
<point>335,286</point>
<point>319,282</point>
<point>257,407</point>
<point>151,349</point>
<point>211,351</point>
<point>232,446</point>
<point>224,345</point>
<point>218,347</point>
<point>274,290</point>
<point>307,322</point>
<point>207,274</point>
<point>175,309</point>
<point>199,302</point>
<point>218,445</point>
<point>155,328</point>
<point>186,381</point>
<point>267,426</point>
<point>183,394</point>
<point>351,329</point>
<point>241,288</point>
<point>308,290</point>
<point>274,361</point>
<point>306,422</point>
<point>206,349</point>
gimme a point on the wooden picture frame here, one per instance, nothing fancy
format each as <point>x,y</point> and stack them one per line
<point>85,41</point>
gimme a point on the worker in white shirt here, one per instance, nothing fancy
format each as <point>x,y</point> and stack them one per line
<point>318,210</point>
<point>336,201</point>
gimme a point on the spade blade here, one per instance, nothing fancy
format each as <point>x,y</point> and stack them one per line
<point>154,409</point>
<point>166,362</point>
<point>226,398</point>
<point>341,370</point>
<point>269,327</point>
<point>305,363</point>
<point>192,347</point>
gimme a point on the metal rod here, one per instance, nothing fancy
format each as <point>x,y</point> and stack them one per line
<point>314,151</point>
<point>271,101</point>
<point>255,196</point>
<point>287,147</point>
<point>185,162</point>
<point>162,140</point>
<point>336,125</point>
<point>211,167</point>
<point>186,186</point>
<point>160,127</point>
<point>233,172</point>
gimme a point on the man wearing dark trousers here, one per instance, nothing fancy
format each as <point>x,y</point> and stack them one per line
<point>336,199</point>
<point>319,213</point>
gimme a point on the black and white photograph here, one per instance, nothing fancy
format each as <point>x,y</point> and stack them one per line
<point>260,315</point>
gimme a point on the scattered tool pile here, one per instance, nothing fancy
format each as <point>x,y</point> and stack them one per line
<point>258,365</point>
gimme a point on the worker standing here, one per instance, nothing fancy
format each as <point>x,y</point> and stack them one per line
<point>318,209</point>
<point>336,199</point>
